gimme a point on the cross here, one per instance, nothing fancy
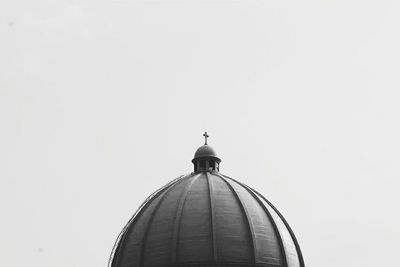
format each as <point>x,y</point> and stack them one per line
<point>205,137</point>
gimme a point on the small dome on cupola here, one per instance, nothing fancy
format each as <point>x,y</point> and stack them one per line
<point>205,151</point>
<point>206,219</point>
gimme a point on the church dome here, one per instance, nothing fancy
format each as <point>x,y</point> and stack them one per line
<point>206,219</point>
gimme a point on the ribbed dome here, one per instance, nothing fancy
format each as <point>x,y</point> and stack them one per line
<point>207,219</point>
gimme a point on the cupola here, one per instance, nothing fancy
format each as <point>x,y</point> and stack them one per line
<point>205,158</point>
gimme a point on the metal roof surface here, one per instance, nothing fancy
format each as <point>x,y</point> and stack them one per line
<point>207,219</point>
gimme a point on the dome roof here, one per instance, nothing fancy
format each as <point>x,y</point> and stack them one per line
<point>205,151</point>
<point>207,219</point>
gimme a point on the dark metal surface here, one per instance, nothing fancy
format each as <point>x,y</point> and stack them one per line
<point>249,224</point>
<point>207,219</point>
<point>205,151</point>
<point>274,248</point>
<point>212,217</point>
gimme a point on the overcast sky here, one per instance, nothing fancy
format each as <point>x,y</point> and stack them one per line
<point>103,102</point>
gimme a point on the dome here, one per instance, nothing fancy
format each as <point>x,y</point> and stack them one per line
<point>205,151</point>
<point>207,219</point>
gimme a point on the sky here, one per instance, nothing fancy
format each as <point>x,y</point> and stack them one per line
<point>104,102</point>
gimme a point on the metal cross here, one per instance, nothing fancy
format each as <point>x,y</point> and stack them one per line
<point>205,137</point>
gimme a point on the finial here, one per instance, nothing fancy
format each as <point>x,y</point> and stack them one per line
<point>205,137</point>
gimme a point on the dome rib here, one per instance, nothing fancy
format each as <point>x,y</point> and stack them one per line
<point>146,233</point>
<point>276,230</point>
<point>212,217</point>
<point>292,235</point>
<point>248,224</point>
<point>178,219</point>
<point>120,243</point>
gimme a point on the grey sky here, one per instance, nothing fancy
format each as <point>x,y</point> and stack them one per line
<point>103,102</point>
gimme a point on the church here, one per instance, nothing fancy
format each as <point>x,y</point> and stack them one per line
<point>206,219</point>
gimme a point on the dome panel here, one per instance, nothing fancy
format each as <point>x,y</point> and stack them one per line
<point>231,227</point>
<point>195,237</point>
<point>265,239</point>
<point>292,257</point>
<point>161,228</point>
<point>130,254</point>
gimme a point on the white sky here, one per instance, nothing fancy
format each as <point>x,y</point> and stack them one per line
<point>103,102</point>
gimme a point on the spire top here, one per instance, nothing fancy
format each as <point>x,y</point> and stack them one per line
<point>205,137</point>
